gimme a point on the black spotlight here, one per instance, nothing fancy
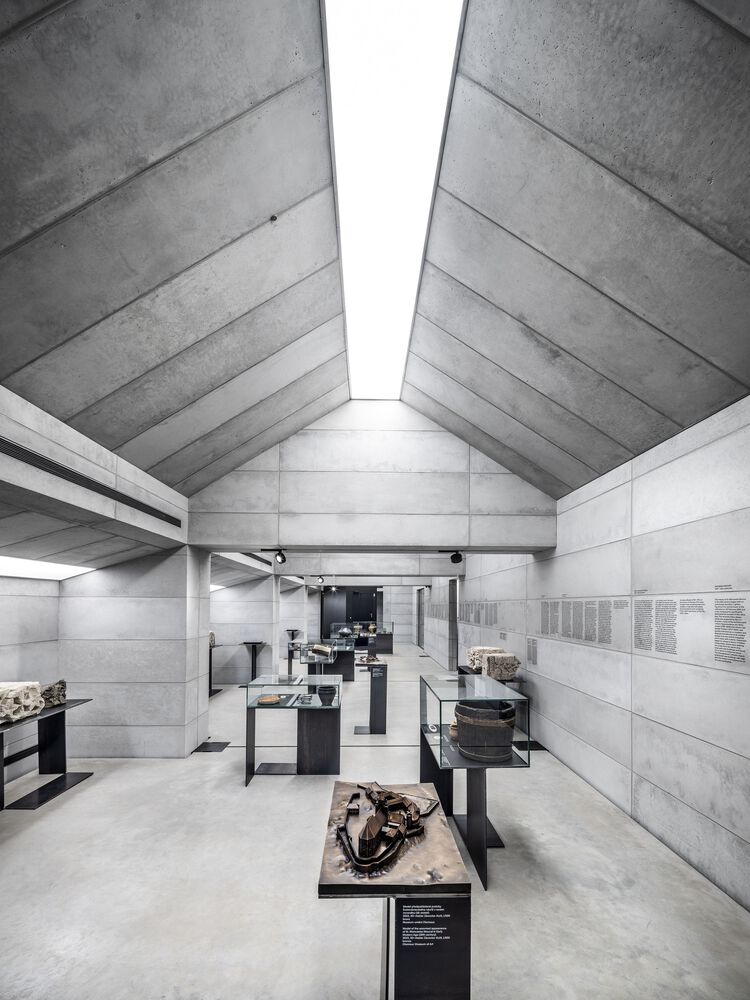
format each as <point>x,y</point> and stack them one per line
<point>320,579</point>
<point>280,557</point>
<point>457,557</point>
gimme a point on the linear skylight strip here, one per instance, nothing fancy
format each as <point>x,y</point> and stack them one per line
<point>390,65</point>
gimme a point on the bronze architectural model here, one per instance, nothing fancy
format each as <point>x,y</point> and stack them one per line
<point>379,838</point>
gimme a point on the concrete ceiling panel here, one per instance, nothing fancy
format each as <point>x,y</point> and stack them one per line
<point>535,361</point>
<point>254,430</point>
<point>47,546</point>
<point>483,441</point>
<point>157,77</point>
<point>511,169</point>
<point>494,421</point>
<point>176,316</point>
<point>166,219</point>
<point>513,396</point>
<point>215,408</point>
<point>570,313</point>
<point>213,360</point>
<point>292,422</point>
<point>657,91</point>
<point>27,524</point>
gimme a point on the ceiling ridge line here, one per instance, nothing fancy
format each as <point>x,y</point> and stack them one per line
<point>196,343</point>
<point>265,430</point>
<point>125,181</point>
<point>242,412</point>
<point>164,282</point>
<point>599,291</point>
<point>712,15</point>
<point>603,166</point>
<point>237,375</point>
<point>557,347</point>
<point>528,385</point>
<point>511,417</point>
<point>544,473</point>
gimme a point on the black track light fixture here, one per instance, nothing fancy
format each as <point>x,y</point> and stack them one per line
<point>455,555</point>
<point>320,579</point>
<point>280,557</point>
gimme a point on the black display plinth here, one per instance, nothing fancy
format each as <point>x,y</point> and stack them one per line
<point>254,647</point>
<point>52,755</point>
<point>343,664</point>
<point>475,829</point>
<point>318,744</point>
<point>426,931</point>
<point>378,701</point>
<point>384,642</point>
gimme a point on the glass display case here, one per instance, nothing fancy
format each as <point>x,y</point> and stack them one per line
<point>361,628</point>
<point>474,721</point>
<point>343,643</point>
<point>313,656</point>
<point>304,691</point>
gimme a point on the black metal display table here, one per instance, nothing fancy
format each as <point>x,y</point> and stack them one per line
<point>378,701</point>
<point>254,647</point>
<point>440,752</point>
<point>52,752</point>
<point>211,689</point>
<point>318,724</point>
<point>426,892</point>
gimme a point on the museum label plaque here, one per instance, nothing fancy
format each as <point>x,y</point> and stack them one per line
<point>432,949</point>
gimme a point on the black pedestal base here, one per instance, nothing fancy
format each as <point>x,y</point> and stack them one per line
<point>362,731</point>
<point>50,791</point>
<point>276,769</point>
<point>493,837</point>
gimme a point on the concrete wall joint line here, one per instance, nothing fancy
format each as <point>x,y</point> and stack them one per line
<point>125,181</point>
<point>603,166</point>
<point>164,282</point>
<point>520,381</point>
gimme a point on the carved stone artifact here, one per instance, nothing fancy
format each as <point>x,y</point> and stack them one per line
<point>211,640</point>
<point>485,730</point>
<point>20,700</point>
<point>320,649</point>
<point>344,632</point>
<point>379,836</point>
<point>501,666</point>
<point>54,694</point>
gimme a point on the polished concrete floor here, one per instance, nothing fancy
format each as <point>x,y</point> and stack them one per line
<point>169,880</point>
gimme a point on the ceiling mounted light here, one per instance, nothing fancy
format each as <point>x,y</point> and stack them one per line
<point>457,557</point>
<point>280,557</point>
<point>320,579</point>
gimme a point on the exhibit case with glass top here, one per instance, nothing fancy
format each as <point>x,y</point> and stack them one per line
<point>302,691</point>
<point>317,655</point>
<point>470,721</point>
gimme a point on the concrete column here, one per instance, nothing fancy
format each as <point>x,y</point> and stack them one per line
<point>132,639</point>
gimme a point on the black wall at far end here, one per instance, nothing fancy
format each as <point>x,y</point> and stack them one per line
<point>347,604</point>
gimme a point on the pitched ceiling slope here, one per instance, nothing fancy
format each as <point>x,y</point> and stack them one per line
<point>169,258</point>
<point>586,287</point>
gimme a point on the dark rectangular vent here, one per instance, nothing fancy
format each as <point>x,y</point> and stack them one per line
<point>21,454</point>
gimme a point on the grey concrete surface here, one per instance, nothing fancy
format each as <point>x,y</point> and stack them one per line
<point>587,268</point>
<point>181,182</point>
<point>583,903</point>
<point>383,484</point>
<point>658,726</point>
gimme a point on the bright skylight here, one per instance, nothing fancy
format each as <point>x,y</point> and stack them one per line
<point>33,569</point>
<point>216,586</point>
<point>390,65</point>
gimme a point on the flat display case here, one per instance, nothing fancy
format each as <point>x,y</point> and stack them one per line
<point>317,702</point>
<point>360,632</point>
<point>342,644</point>
<point>301,691</point>
<point>316,662</point>
<point>471,721</point>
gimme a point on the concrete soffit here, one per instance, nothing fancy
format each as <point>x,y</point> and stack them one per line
<point>586,278</point>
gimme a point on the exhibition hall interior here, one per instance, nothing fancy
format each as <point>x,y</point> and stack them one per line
<point>375,499</point>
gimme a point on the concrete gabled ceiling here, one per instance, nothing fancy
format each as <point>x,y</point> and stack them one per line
<point>586,288</point>
<point>169,257</point>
